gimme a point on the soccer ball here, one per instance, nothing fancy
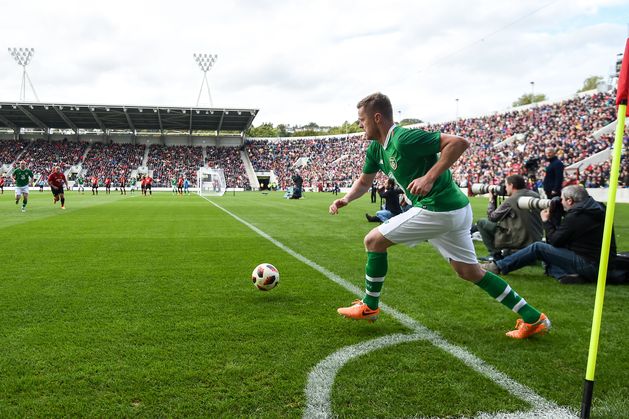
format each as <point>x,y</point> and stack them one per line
<point>265,277</point>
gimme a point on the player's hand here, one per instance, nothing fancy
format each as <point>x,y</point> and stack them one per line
<point>545,214</point>
<point>421,186</point>
<point>336,205</point>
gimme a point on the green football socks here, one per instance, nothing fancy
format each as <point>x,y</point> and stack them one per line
<point>502,292</point>
<point>375,271</point>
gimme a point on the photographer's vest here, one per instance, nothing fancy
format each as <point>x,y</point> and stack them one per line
<point>519,227</point>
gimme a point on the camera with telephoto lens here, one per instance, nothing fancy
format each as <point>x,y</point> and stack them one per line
<point>482,189</point>
<point>528,202</point>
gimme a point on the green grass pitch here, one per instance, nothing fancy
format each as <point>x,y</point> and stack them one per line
<point>144,306</point>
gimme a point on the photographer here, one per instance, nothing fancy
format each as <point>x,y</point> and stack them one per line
<point>554,174</point>
<point>509,227</point>
<point>392,203</point>
<point>299,182</point>
<point>573,245</point>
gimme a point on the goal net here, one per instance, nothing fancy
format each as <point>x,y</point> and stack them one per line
<point>210,181</point>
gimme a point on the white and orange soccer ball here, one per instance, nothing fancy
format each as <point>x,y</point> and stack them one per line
<point>265,277</point>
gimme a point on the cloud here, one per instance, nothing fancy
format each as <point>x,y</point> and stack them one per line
<point>303,61</point>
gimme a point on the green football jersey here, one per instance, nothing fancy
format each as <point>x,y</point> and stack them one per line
<point>79,180</point>
<point>21,176</point>
<point>408,155</point>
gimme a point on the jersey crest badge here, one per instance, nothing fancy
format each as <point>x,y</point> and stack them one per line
<point>393,162</point>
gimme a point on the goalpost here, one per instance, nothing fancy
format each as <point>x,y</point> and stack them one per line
<point>210,182</point>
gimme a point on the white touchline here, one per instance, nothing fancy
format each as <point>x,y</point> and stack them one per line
<point>320,380</point>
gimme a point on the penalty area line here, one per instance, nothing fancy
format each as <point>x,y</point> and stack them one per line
<point>318,404</point>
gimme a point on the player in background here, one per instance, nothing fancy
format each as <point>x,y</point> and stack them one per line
<point>148,186</point>
<point>21,177</point>
<point>173,185</point>
<point>186,186</point>
<point>108,185</point>
<point>94,185</point>
<point>123,184</point>
<point>132,183</point>
<point>79,182</point>
<point>56,180</point>
<point>180,185</point>
<point>1,185</point>
<point>419,161</point>
<point>143,185</point>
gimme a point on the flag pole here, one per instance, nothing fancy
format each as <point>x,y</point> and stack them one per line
<point>621,101</point>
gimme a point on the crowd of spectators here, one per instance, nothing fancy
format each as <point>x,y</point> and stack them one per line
<point>168,162</point>
<point>228,159</point>
<point>325,162</point>
<point>566,126</point>
<point>41,155</point>
<point>10,150</point>
<point>112,160</point>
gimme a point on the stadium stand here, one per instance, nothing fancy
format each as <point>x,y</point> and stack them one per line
<point>228,159</point>
<point>105,160</point>
<point>502,144</point>
<point>167,162</point>
<point>40,155</point>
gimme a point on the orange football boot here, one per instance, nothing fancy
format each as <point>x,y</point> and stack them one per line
<point>359,311</point>
<point>524,330</point>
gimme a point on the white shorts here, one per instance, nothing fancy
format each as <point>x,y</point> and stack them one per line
<point>448,232</point>
<point>19,190</point>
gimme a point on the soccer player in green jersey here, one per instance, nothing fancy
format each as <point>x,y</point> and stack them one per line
<point>79,181</point>
<point>419,161</point>
<point>21,177</point>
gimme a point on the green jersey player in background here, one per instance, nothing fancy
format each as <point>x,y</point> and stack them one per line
<point>419,161</point>
<point>22,177</point>
<point>79,182</point>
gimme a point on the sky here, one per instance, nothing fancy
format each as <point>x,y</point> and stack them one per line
<point>311,61</point>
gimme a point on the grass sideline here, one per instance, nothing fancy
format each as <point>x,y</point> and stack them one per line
<point>143,306</point>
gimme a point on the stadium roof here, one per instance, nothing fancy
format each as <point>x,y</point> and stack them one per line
<point>16,115</point>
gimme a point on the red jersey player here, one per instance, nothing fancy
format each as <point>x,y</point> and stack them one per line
<point>56,180</point>
<point>149,182</point>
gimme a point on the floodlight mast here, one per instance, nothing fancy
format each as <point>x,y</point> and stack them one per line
<point>205,62</point>
<point>23,57</point>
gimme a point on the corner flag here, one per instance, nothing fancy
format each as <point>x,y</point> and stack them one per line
<point>621,102</point>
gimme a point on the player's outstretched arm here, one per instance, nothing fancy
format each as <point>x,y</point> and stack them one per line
<point>358,189</point>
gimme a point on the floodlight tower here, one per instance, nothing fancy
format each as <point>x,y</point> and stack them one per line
<point>205,62</point>
<point>23,57</point>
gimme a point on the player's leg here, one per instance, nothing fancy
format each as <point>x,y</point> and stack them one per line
<point>63,200</point>
<point>375,271</point>
<point>409,228</point>
<point>24,201</point>
<point>457,247</point>
<point>18,195</point>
